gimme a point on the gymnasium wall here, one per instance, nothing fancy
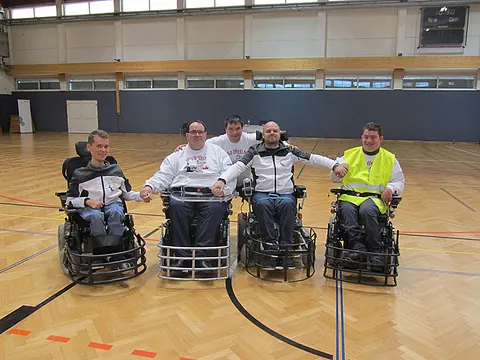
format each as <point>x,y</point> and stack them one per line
<point>410,115</point>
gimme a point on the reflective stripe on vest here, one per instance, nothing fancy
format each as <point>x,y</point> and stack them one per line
<point>359,179</point>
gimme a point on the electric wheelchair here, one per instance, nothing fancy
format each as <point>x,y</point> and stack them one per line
<point>218,255</point>
<point>296,261</point>
<point>100,259</point>
<point>338,263</point>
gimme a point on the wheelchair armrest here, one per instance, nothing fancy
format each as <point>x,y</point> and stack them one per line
<point>247,188</point>
<point>396,199</point>
<point>300,191</point>
<point>62,195</point>
<point>337,192</point>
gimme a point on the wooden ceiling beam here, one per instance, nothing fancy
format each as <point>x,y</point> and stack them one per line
<point>255,65</point>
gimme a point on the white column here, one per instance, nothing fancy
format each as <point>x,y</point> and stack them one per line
<point>322,34</point>
<point>320,79</point>
<point>62,43</point>
<point>478,80</point>
<point>181,4</point>
<point>181,80</point>
<point>247,36</point>
<point>117,6</point>
<point>181,47</point>
<point>10,45</point>
<point>58,4</point>
<point>401,31</point>
<point>118,39</point>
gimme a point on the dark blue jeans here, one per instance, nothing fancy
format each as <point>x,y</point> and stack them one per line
<point>280,208</point>
<point>209,217</point>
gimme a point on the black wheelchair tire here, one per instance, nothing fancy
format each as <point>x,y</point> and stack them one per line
<point>62,248</point>
<point>241,247</point>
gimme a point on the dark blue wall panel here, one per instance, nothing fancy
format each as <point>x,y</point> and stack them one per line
<point>411,115</point>
<point>49,108</point>
<point>8,106</point>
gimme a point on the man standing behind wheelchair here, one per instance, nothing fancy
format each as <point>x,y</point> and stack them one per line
<point>272,164</point>
<point>192,171</point>
<point>373,171</point>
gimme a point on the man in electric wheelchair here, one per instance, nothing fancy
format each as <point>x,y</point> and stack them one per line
<point>97,234</point>
<point>273,199</point>
<point>367,199</point>
<point>188,175</point>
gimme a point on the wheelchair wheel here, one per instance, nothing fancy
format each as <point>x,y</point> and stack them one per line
<point>332,254</point>
<point>62,248</point>
<point>241,228</point>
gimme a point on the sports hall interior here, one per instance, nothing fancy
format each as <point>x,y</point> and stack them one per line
<point>140,69</point>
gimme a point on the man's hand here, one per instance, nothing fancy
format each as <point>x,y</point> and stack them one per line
<point>180,147</point>
<point>146,194</point>
<point>94,204</point>
<point>387,195</point>
<point>217,188</point>
<point>341,170</point>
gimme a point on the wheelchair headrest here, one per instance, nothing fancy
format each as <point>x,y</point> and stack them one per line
<point>81,148</point>
<point>84,156</point>
<point>283,135</point>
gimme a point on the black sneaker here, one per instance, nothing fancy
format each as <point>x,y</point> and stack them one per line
<point>289,263</point>
<point>269,263</point>
<point>378,264</point>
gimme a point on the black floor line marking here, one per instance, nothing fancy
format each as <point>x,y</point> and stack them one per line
<point>460,201</point>
<point>441,237</point>
<point>25,311</point>
<point>28,258</point>
<point>244,312</point>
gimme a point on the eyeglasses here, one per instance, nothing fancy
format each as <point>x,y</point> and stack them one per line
<point>196,132</point>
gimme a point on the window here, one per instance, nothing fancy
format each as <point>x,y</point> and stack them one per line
<point>135,5</point>
<point>139,83</point>
<point>163,4</point>
<point>27,84</point>
<point>49,85</point>
<point>439,82</point>
<point>225,83</point>
<point>22,13</point>
<point>76,9</point>
<point>300,83</point>
<point>268,2</point>
<point>200,83</point>
<point>229,2</point>
<point>81,85</point>
<point>358,82</point>
<point>101,7</point>
<point>45,11</point>
<point>165,83</point>
<point>289,82</point>
<point>44,84</point>
<point>104,84</point>
<point>456,83</point>
<point>190,4</point>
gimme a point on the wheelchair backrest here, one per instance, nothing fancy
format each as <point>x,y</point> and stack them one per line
<point>283,135</point>
<point>84,156</point>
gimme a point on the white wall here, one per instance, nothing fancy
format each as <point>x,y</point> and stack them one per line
<point>336,33</point>
<point>371,32</point>
<point>285,35</point>
<point>7,84</point>
<point>145,40</point>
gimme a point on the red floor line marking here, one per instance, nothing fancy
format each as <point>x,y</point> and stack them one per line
<point>143,353</point>
<point>439,232</point>
<point>24,201</point>
<point>100,346</point>
<point>19,332</point>
<point>58,338</point>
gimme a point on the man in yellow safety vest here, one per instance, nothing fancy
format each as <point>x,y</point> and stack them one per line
<point>372,171</point>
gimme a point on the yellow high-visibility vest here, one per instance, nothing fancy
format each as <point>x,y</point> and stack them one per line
<point>359,179</point>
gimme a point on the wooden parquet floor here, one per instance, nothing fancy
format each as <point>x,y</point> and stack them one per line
<point>433,313</point>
